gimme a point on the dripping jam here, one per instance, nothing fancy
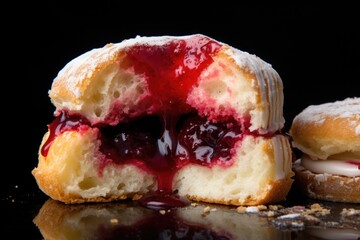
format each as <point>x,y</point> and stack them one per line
<point>158,226</point>
<point>164,143</point>
<point>174,135</point>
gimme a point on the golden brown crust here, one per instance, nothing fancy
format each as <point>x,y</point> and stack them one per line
<point>278,192</point>
<point>243,84</point>
<point>57,220</point>
<point>242,183</point>
<point>326,186</point>
<point>62,170</point>
<point>49,225</point>
<point>64,179</point>
<point>313,138</point>
<point>324,130</point>
<point>91,63</point>
<point>103,87</point>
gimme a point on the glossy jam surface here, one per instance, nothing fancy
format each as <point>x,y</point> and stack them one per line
<point>164,143</point>
<point>160,200</point>
<point>172,69</point>
<point>162,227</point>
<point>173,135</point>
<point>61,124</point>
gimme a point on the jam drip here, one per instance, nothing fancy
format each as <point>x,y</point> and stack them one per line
<point>173,136</point>
<point>168,142</point>
<point>161,226</point>
<point>61,124</point>
<point>162,143</point>
<point>163,200</point>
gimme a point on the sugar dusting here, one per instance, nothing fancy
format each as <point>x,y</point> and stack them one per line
<point>87,64</point>
<point>347,108</point>
<point>269,82</point>
<point>357,130</point>
<point>73,84</point>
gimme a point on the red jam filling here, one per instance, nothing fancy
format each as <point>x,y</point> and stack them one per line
<point>172,69</point>
<point>161,226</point>
<point>173,135</point>
<point>160,144</point>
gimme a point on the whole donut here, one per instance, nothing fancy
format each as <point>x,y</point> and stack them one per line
<point>328,136</point>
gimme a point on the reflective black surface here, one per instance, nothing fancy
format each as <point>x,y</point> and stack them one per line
<point>27,211</point>
<point>314,49</point>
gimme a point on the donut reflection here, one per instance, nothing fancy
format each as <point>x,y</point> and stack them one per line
<point>56,220</point>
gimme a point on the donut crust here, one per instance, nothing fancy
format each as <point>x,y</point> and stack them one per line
<point>327,187</point>
<point>102,86</point>
<point>327,131</point>
<point>72,177</point>
<point>320,131</point>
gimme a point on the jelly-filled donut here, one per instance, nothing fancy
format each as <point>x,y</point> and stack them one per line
<point>328,136</point>
<point>161,117</point>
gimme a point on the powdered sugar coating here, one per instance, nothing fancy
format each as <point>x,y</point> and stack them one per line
<point>270,86</point>
<point>328,129</point>
<point>357,130</point>
<point>85,65</point>
<point>248,61</point>
<point>347,108</point>
<point>253,89</point>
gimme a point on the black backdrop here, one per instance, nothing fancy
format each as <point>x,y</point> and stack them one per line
<point>315,51</point>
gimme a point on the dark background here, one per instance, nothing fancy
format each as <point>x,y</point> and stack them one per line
<point>314,49</point>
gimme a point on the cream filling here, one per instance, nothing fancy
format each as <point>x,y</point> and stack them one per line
<point>344,167</point>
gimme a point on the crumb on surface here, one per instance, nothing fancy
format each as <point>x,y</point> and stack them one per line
<point>262,207</point>
<point>275,207</point>
<point>318,210</point>
<point>114,221</point>
<point>270,213</point>
<point>241,209</point>
<point>252,209</point>
<point>206,211</point>
<point>349,212</point>
<point>136,197</point>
